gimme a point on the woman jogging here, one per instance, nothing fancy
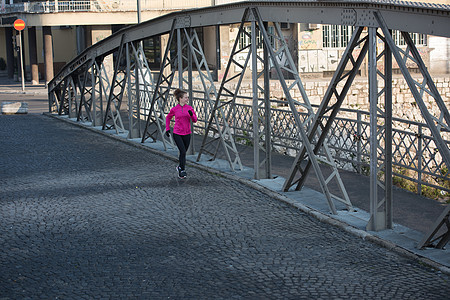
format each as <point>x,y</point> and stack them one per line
<point>182,129</point>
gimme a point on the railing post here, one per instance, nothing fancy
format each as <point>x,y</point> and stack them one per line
<point>358,141</point>
<point>419,160</point>
<point>255,104</point>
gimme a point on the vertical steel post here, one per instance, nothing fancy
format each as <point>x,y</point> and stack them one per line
<point>267,111</point>
<point>132,74</point>
<point>131,134</point>
<point>191,150</point>
<point>98,100</point>
<point>179,59</point>
<point>216,72</point>
<point>137,72</point>
<point>419,159</point>
<point>376,221</point>
<point>72,96</point>
<point>64,94</point>
<point>22,68</point>
<point>255,104</point>
<point>358,142</point>
<point>94,112</point>
<point>388,135</point>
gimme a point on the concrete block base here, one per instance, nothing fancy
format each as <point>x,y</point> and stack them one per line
<point>14,108</point>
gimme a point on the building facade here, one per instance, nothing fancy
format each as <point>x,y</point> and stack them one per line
<point>56,31</point>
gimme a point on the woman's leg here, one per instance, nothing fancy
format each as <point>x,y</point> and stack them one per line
<point>186,141</point>
<point>181,145</point>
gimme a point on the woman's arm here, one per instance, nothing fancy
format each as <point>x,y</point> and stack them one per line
<point>168,118</point>
<point>193,116</point>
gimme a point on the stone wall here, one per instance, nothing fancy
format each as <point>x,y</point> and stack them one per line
<point>403,103</point>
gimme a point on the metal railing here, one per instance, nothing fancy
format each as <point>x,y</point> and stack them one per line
<point>100,6</point>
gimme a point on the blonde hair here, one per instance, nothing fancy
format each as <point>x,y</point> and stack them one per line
<point>179,94</point>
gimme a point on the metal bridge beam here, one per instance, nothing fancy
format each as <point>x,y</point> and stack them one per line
<point>97,93</point>
<point>380,138</point>
<point>156,115</point>
<point>418,89</point>
<point>112,112</point>
<point>318,131</point>
<point>427,80</point>
<point>86,94</point>
<point>434,237</point>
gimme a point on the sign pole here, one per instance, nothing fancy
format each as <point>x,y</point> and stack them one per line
<point>21,61</point>
<point>19,25</point>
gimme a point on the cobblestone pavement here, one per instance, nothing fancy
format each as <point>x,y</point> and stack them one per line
<point>87,217</point>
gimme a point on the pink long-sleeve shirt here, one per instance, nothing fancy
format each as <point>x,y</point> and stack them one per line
<point>182,119</point>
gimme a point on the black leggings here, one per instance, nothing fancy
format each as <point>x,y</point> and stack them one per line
<point>182,142</point>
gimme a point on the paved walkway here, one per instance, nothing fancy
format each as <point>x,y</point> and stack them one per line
<point>10,86</point>
<point>86,216</point>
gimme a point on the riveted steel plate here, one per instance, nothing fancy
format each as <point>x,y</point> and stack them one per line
<point>183,22</point>
<point>348,17</point>
<point>366,17</point>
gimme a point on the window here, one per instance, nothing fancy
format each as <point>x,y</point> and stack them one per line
<point>245,40</point>
<point>418,39</point>
<point>336,36</point>
<point>152,50</point>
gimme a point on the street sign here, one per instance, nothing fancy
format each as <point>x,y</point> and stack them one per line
<point>19,24</point>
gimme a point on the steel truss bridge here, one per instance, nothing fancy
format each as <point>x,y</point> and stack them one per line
<point>85,90</point>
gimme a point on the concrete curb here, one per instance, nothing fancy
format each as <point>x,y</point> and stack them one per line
<point>14,92</point>
<point>328,219</point>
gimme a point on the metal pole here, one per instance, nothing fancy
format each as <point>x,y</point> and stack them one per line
<point>419,160</point>
<point>138,8</point>
<point>255,105</point>
<point>388,192</point>
<point>267,111</point>
<point>216,71</point>
<point>191,150</point>
<point>374,222</point>
<point>21,61</point>
<point>94,99</point>
<point>179,59</point>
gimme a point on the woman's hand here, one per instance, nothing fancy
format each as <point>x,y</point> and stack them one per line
<point>168,133</point>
